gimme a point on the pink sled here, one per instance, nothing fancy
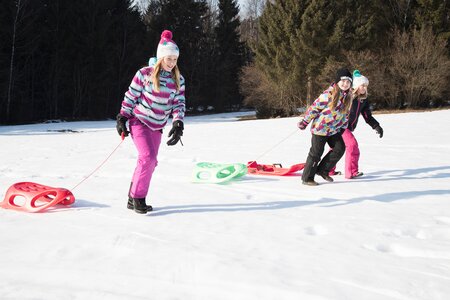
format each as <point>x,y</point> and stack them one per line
<point>37,197</point>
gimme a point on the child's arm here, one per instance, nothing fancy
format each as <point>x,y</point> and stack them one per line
<point>132,95</point>
<point>179,103</point>
<point>316,108</point>
<point>366,112</point>
<point>367,115</point>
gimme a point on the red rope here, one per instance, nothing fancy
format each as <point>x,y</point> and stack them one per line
<point>96,169</point>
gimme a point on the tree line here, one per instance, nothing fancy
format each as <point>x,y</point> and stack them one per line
<point>74,60</point>
<point>402,46</point>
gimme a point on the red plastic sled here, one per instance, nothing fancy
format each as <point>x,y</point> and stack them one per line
<point>275,169</point>
<point>35,197</point>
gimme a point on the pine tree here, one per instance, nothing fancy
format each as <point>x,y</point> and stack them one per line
<point>364,24</point>
<point>128,50</point>
<point>187,20</point>
<point>330,28</point>
<point>400,13</point>
<point>434,14</point>
<point>103,41</point>
<point>67,59</point>
<point>278,52</point>
<point>58,66</point>
<point>321,34</point>
<point>6,30</point>
<point>229,56</point>
<point>22,54</point>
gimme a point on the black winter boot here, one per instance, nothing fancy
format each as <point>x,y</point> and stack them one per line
<point>130,205</point>
<point>138,205</point>
<point>325,176</point>
<point>310,182</point>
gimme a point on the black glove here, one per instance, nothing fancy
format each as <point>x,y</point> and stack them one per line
<point>121,125</point>
<point>176,132</point>
<point>379,131</point>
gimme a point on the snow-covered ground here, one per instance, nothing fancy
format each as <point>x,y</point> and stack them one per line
<point>383,236</point>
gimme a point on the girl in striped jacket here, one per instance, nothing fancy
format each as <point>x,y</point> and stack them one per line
<point>155,93</point>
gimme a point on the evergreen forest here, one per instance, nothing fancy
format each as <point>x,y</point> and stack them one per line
<point>74,60</point>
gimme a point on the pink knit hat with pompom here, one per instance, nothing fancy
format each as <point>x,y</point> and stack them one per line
<point>167,46</point>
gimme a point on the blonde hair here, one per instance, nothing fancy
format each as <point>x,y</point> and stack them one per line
<point>154,78</point>
<point>356,95</point>
<point>335,95</point>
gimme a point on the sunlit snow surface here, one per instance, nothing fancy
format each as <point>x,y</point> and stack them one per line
<point>383,236</point>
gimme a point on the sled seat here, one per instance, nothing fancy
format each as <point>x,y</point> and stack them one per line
<point>35,197</point>
<point>273,169</point>
<point>207,172</point>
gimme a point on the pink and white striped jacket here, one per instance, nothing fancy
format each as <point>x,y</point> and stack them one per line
<point>150,107</point>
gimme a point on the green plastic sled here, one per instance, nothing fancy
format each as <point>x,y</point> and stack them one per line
<point>206,172</point>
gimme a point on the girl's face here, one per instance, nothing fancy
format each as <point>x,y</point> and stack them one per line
<point>169,62</point>
<point>344,84</point>
<point>362,89</point>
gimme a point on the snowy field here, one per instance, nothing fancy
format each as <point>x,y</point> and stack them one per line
<point>381,237</point>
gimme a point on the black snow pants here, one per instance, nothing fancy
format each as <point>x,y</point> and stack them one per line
<point>313,163</point>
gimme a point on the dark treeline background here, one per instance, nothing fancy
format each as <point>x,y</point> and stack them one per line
<point>402,46</point>
<point>66,59</point>
<point>74,60</point>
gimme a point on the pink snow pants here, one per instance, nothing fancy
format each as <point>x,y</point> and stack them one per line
<point>351,155</point>
<point>147,144</point>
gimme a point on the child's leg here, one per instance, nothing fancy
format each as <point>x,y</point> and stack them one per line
<point>330,160</point>
<point>352,154</point>
<point>315,152</point>
<point>333,169</point>
<point>147,144</point>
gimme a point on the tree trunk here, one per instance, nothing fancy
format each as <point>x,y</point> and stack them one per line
<point>11,66</point>
<point>309,91</point>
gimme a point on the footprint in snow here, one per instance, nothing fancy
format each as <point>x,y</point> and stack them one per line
<point>406,251</point>
<point>442,220</point>
<point>419,234</point>
<point>316,230</point>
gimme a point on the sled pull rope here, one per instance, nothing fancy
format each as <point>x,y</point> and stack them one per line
<point>96,169</point>
<point>274,146</point>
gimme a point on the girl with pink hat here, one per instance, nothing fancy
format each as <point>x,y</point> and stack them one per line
<point>155,93</point>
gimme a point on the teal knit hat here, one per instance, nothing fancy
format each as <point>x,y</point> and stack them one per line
<point>359,79</point>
